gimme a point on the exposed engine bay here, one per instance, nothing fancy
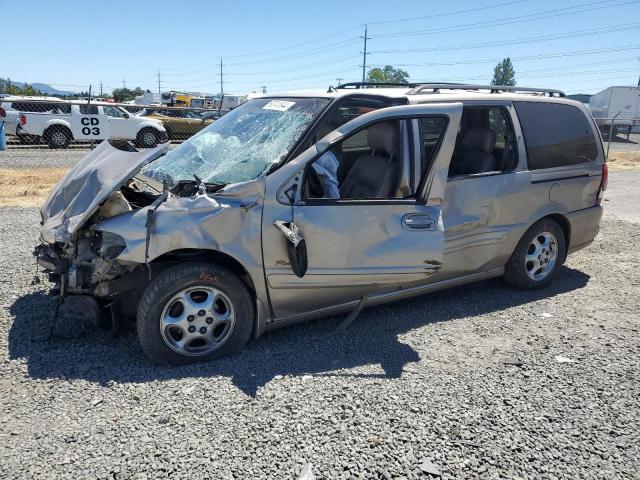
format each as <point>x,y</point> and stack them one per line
<point>81,259</point>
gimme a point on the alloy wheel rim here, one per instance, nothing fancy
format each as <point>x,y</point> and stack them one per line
<point>58,138</point>
<point>198,320</point>
<point>541,256</point>
<point>148,138</point>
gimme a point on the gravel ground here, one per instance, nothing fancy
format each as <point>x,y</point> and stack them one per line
<point>622,195</point>
<point>40,157</point>
<point>479,382</point>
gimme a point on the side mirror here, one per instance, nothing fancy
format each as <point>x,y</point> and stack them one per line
<point>296,246</point>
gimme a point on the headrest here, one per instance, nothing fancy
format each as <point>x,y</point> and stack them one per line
<point>483,139</point>
<point>382,136</point>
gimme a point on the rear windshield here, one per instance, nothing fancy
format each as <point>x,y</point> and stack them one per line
<point>556,135</point>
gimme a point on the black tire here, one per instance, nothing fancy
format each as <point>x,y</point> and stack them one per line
<point>518,272</point>
<point>148,137</point>
<point>58,136</point>
<point>175,279</point>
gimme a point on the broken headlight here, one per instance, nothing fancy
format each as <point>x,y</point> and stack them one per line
<point>107,245</point>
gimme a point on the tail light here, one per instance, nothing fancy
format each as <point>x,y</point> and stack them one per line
<point>3,112</point>
<point>603,182</point>
<point>23,119</point>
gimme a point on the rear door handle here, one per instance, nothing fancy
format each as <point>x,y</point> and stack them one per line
<point>418,221</point>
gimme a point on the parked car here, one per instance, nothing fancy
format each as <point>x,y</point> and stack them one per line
<point>60,123</point>
<point>281,212</point>
<point>13,106</point>
<point>179,124</point>
<point>212,114</point>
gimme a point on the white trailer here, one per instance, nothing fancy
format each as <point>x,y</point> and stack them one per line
<point>621,101</point>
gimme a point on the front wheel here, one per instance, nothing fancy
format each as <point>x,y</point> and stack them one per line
<point>194,312</point>
<point>537,259</point>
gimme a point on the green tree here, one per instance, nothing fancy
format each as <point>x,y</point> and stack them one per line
<point>7,86</point>
<point>388,74</point>
<point>504,74</point>
<point>125,94</point>
<point>28,90</point>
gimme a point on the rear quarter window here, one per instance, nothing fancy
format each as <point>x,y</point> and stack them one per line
<point>556,135</point>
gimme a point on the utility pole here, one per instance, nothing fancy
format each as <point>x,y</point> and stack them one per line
<point>124,84</point>
<point>100,88</point>
<point>339,80</point>
<point>159,82</point>
<point>264,90</point>
<point>364,53</point>
<point>221,79</point>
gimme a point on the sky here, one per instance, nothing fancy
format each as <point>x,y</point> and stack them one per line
<point>579,46</point>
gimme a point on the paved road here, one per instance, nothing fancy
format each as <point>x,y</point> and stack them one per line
<point>622,198</point>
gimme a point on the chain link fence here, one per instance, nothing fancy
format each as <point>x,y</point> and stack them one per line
<point>59,124</point>
<point>46,137</point>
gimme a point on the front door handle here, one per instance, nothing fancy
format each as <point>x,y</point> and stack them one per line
<point>418,221</point>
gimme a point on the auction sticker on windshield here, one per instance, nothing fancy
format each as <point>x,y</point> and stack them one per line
<point>280,105</point>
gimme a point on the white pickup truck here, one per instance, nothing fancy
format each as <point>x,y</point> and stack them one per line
<point>65,122</point>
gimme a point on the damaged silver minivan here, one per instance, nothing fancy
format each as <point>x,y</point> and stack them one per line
<point>304,205</point>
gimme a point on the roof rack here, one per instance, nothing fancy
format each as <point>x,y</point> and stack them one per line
<point>436,87</point>
<point>377,85</point>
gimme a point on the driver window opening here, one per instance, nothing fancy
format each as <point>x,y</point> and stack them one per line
<point>373,163</point>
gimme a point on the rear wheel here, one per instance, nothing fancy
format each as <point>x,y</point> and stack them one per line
<point>58,136</point>
<point>194,312</point>
<point>538,256</point>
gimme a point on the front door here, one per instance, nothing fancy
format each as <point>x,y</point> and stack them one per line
<point>120,127</point>
<point>368,202</point>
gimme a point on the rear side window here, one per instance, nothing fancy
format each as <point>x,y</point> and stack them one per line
<point>41,107</point>
<point>86,109</point>
<point>555,135</point>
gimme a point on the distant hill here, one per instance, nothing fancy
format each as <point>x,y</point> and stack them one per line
<point>46,89</point>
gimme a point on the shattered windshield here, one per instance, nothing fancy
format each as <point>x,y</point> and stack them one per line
<point>240,146</point>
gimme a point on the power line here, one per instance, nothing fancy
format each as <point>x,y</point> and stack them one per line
<point>525,58</point>
<point>518,41</point>
<point>355,27</point>
<point>510,20</point>
<point>331,61</point>
<point>446,14</point>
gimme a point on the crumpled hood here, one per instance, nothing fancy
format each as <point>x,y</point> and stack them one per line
<point>78,195</point>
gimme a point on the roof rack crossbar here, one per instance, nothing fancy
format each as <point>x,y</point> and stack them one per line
<point>436,87</point>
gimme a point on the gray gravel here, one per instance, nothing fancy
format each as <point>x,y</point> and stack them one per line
<point>623,195</point>
<point>40,157</point>
<point>476,382</point>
